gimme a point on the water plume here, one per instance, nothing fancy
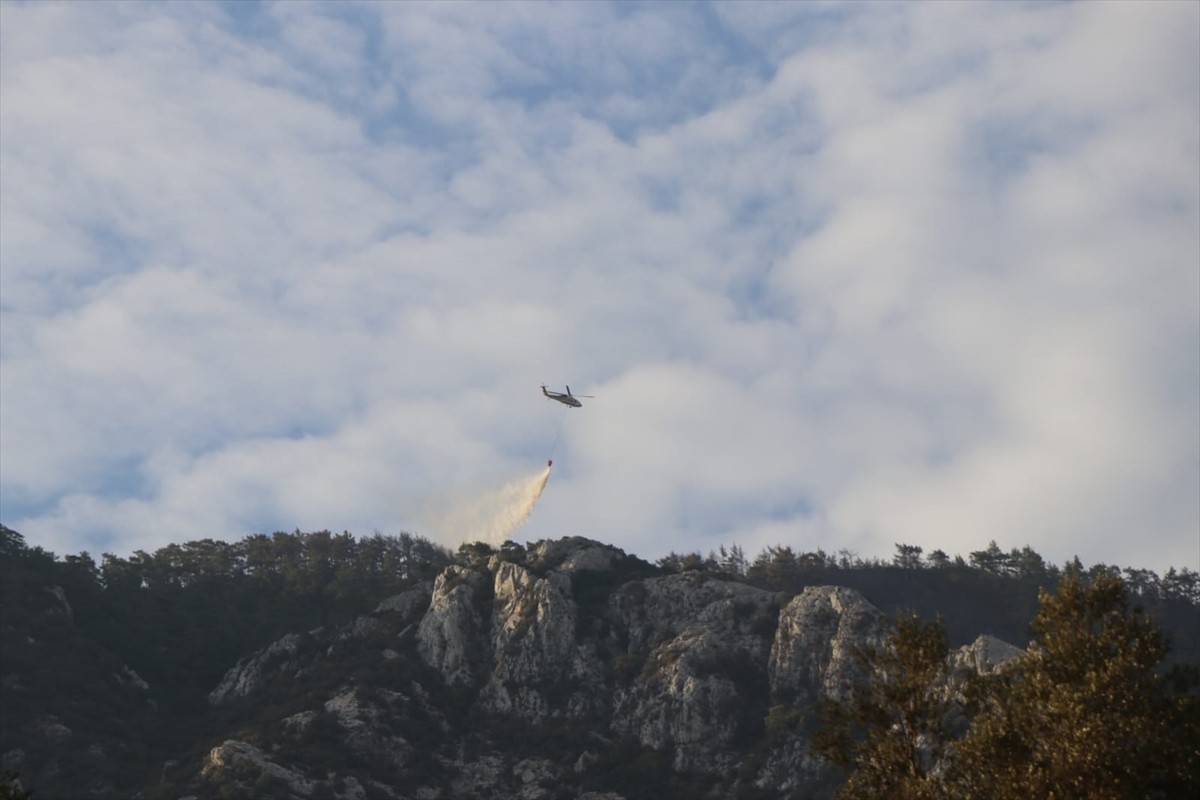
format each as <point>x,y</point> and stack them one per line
<point>492,516</point>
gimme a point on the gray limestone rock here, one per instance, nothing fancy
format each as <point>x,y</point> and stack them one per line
<point>61,605</point>
<point>533,639</point>
<point>408,604</point>
<point>654,610</point>
<point>246,676</point>
<point>703,681</point>
<point>365,724</point>
<point>985,655</point>
<point>812,655</point>
<point>452,636</point>
<point>572,553</point>
<point>234,758</point>
<point>565,633</point>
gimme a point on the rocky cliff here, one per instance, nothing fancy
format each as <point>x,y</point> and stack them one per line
<point>567,669</point>
<point>316,665</point>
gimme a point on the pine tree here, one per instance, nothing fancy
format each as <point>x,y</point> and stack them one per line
<point>11,789</point>
<point>892,730</point>
<point>908,556</point>
<point>1085,713</point>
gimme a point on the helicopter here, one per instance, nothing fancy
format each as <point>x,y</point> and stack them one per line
<point>566,399</point>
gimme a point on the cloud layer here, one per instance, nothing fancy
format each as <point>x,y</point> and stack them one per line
<point>839,276</point>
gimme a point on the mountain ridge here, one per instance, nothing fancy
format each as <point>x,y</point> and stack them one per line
<point>561,668</point>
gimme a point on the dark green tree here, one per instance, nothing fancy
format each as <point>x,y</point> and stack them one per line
<point>993,559</point>
<point>733,560</point>
<point>908,556</point>
<point>775,566</point>
<point>892,730</point>
<point>11,789</point>
<point>1182,584</point>
<point>938,559</point>
<point>1086,712</point>
<point>1027,563</point>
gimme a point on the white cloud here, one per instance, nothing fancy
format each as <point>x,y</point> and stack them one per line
<point>840,276</point>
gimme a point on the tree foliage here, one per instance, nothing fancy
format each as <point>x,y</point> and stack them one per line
<point>1087,711</point>
<point>10,787</point>
<point>122,652</point>
<point>908,556</point>
<point>106,645</point>
<point>996,592</point>
<point>892,728</point>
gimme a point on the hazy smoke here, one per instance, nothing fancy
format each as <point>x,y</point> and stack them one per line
<point>493,516</point>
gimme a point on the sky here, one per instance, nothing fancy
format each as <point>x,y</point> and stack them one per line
<point>839,276</point>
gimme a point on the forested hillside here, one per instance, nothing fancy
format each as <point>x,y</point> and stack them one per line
<point>108,668</point>
<point>991,591</point>
<point>124,651</point>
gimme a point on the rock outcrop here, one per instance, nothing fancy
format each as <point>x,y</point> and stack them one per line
<point>703,645</point>
<point>233,760</point>
<point>410,603</point>
<point>364,724</point>
<point>571,554</point>
<point>453,636</point>
<point>61,606</point>
<point>292,655</point>
<point>280,657</point>
<point>984,656</point>
<point>812,654</point>
<point>573,636</point>
<point>534,647</point>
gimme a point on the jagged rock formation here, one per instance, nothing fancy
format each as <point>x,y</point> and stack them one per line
<point>705,645</point>
<point>985,655</point>
<point>563,669</point>
<point>288,657</point>
<point>233,758</point>
<point>248,674</point>
<point>558,669</point>
<point>812,654</point>
<point>575,637</point>
<point>534,652</point>
<point>61,606</point>
<point>453,635</point>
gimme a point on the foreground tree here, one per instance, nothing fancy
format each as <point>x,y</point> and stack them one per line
<point>892,728</point>
<point>10,787</point>
<point>1086,712</point>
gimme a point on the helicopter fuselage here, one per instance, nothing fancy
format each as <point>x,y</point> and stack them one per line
<point>566,399</point>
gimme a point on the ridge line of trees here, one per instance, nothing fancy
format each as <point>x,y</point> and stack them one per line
<point>322,557</point>
<point>314,559</point>
<point>779,565</point>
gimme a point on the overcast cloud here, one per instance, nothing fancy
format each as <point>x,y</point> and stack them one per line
<point>839,276</point>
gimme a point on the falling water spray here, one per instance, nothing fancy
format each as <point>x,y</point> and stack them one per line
<point>493,516</point>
